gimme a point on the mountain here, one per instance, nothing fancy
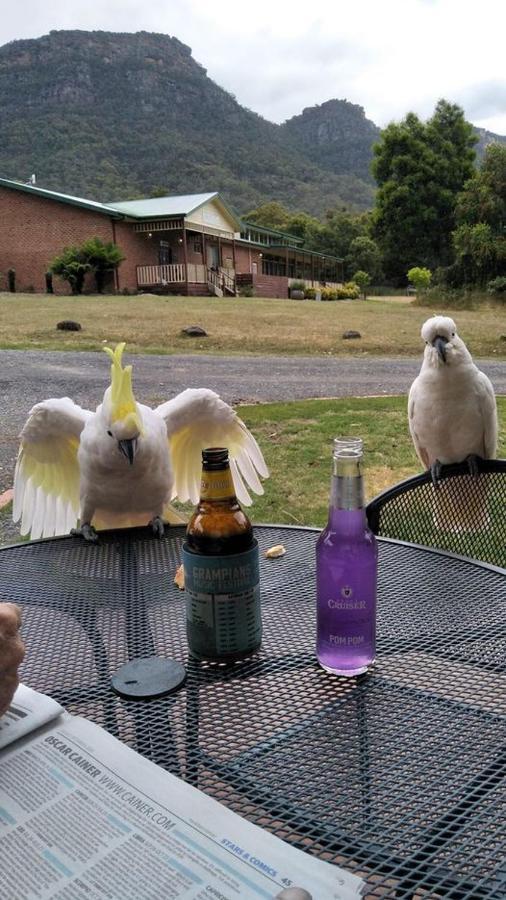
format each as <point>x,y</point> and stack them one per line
<point>115,116</point>
<point>335,135</point>
<point>485,138</point>
<point>119,116</point>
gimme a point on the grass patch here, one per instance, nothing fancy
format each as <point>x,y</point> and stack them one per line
<point>296,439</point>
<point>242,326</point>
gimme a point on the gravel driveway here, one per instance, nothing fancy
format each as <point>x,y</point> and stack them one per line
<point>28,376</point>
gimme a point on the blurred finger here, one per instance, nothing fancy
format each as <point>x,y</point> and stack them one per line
<point>12,654</point>
<point>8,685</point>
<point>10,618</point>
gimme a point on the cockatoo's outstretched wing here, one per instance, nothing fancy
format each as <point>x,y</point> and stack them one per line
<point>422,451</point>
<point>197,419</point>
<point>489,415</point>
<point>46,480</point>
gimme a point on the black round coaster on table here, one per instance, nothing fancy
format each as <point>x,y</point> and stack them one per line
<point>148,677</point>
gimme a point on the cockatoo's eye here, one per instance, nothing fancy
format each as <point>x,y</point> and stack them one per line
<point>110,434</point>
<point>453,334</point>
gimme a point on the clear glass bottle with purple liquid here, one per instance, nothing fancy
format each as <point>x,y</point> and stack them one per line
<point>346,571</point>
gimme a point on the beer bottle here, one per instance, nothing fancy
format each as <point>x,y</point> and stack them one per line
<point>221,567</point>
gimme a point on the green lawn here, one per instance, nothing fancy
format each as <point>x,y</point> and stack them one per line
<point>296,439</point>
<point>152,324</point>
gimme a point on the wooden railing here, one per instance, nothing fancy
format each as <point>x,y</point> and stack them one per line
<point>220,281</point>
<point>228,280</point>
<point>171,273</point>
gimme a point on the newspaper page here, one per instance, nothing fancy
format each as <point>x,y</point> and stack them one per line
<point>84,817</point>
<point>28,711</point>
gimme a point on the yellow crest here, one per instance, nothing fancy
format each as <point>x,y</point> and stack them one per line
<point>123,406</point>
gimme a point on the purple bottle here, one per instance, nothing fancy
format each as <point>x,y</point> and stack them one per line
<point>346,571</point>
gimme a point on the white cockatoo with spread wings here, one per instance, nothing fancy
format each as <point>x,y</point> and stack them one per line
<point>124,463</point>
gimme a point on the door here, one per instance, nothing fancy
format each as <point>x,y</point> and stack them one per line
<point>164,253</point>
<point>213,259</point>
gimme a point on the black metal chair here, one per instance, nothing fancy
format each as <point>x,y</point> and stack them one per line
<point>464,514</point>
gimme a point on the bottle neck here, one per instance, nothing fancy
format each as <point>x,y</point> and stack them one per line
<point>217,484</point>
<point>347,486</point>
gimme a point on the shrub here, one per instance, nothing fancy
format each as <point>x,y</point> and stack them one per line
<point>246,291</point>
<point>309,293</point>
<point>11,280</point>
<point>101,258</point>
<point>70,266</point>
<point>349,291</point>
<point>297,286</point>
<point>329,294</point>
<point>497,285</point>
<point>363,280</point>
<point>420,277</point>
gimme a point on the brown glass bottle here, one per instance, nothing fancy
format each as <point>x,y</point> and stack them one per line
<point>221,567</point>
<point>218,525</point>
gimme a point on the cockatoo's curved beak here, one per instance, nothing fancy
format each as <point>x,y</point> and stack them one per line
<point>440,343</point>
<point>128,448</point>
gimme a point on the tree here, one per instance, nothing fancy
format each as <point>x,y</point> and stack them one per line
<point>363,279</point>
<point>420,168</point>
<point>101,258</point>
<point>420,278</point>
<point>480,238</point>
<point>335,235</point>
<point>70,266</point>
<point>365,255</point>
<point>269,215</point>
<point>476,252</point>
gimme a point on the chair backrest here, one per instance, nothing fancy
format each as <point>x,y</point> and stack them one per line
<point>464,514</point>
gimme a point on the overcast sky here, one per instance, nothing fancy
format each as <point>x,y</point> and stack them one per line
<point>278,56</point>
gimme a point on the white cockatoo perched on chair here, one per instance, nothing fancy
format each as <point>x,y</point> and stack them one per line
<point>451,407</point>
<point>452,416</point>
<point>124,463</point>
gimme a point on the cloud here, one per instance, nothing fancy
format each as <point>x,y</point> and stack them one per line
<point>484,100</point>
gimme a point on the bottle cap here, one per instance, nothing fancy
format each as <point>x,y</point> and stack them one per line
<point>214,456</point>
<point>348,448</point>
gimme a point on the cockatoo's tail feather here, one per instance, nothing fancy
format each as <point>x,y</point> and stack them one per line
<point>123,406</point>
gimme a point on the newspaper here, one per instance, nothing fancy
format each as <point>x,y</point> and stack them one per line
<point>84,817</point>
<point>28,711</point>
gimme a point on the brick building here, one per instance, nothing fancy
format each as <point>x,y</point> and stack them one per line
<point>192,244</point>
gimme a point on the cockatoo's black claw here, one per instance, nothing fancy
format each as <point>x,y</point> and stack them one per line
<point>473,464</point>
<point>87,532</point>
<point>157,524</point>
<point>435,471</point>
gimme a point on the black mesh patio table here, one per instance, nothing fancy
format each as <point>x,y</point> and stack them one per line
<point>397,774</point>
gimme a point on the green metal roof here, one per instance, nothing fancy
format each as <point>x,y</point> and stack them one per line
<point>146,208</point>
<point>60,198</point>
<point>304,250</point>
<point>254,227</point>
<point>161,207</point>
